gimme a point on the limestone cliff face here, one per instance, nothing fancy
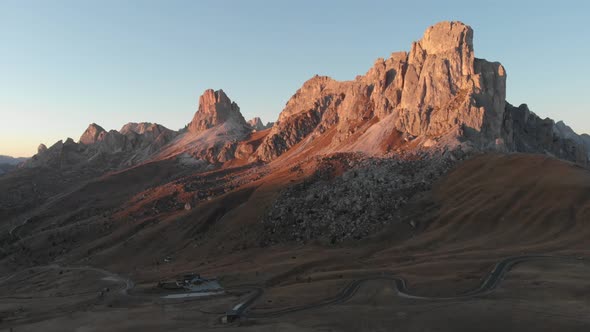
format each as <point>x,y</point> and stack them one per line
<point>213,134</point>
<point>527,132</point>
<point>314,107</point>
<point>438,88</point>
<point>94,133</point>
<point>436,96</point>
<point>446,86</point>
<point>215,108</point>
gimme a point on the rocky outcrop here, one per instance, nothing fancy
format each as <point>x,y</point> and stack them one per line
<point>215,108</point>
<point>244,150</point>
<point>438,88</point>
<point>564,131</point>
<point>147,136</point>
<point>151,129</point>
<point>445,86</point>
<point>438,95</point>
<point>94,133</point>
<point>256,124</point>
<point>59,155</point>
<point>135,142</point>
<point>41,148</point>
<point>527,132</point>
<point>213,135</point>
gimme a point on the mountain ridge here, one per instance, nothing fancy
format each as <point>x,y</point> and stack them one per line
<point>436,97</point>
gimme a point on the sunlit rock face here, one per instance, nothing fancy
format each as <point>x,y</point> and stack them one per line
<point>438,88</point>
<point>94,133</point>
<point>436,97</point>
<point>136,142</point>
<point>215,108</point>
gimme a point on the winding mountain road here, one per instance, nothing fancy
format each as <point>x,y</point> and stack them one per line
<point>488,285</point>
<point>243,307</point>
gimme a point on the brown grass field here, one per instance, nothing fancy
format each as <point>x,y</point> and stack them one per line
<point>488,208</point>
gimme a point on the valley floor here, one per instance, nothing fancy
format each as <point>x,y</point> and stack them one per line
<point>537,295</point>
<point>101,270</point>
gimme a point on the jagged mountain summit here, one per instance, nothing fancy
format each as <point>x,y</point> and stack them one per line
<point>563,130</point>
<point>105,149</point>
<point>93,134</point>
<point>257,124</point>
<point>215,108</point>
<point>437,95</point>
<point>211,136</point>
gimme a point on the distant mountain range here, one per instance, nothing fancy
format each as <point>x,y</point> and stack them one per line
<point>11,160</point>
<point>8,163</point>
<point>437,97</point>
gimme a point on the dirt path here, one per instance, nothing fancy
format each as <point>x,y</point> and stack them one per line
<point>113,276</point>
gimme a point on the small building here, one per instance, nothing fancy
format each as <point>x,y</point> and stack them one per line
<point>188,278</point>
<point>190,281</point>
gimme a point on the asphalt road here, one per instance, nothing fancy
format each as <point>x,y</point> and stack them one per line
<point>488,285</point>
<point>242,308</point>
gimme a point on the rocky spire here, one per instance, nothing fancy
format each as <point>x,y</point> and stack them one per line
<point>93,134</point>
<point>42,148</point>
<point>215,108</point>
<point>256,124</point>
<point>445,85</point>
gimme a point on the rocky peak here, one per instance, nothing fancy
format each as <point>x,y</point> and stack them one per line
<point>564,130</point>
<point>70,142</point>
<point>445,86</point>
<point>148,130</point>
<point>215,108</point>
<point>93,134</point>
<point>256,124</point>
<point>106,150</point>
<point>134,127</point>
<point>447,37</point>
<point>42,148</point>
<point>436,89</point>
<point>527,132</point>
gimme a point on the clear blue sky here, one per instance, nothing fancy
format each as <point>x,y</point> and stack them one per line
<point>65,64</point>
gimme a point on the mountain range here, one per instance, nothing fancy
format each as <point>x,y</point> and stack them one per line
<point>8,163</point>
<point>438,96</point>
